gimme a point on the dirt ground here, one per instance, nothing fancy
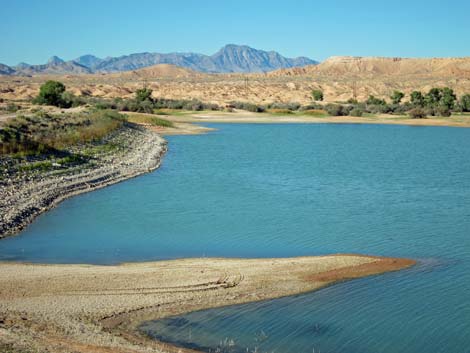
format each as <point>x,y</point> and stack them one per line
<point>85,308</point>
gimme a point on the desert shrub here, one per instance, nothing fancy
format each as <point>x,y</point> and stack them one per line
<point>417,113</point>
<point>143,94</point>
<point>248,107</point>
<point>379,108</point>
<point>356,112</point>
<point>375,101</point>
<point>353,101</point>
<point>284,106</point>
<point>442,111</point>
<point>337,109</point>
<point>464,103</point>
<point>397,97</point>
<point>70,100</point>
<point>317,95</point>
<point>12,107</point>
<point>314,106</point>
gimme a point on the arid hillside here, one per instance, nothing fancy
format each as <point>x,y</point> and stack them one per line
<point>340,78</point>
<point>376,66</point>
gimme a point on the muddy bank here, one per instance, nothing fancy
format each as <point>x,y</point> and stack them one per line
<point>27,194</point>
<point>84,308</point>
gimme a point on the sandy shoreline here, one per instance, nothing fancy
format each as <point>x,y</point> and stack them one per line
<point>85,308</point>
<point>187,124</point>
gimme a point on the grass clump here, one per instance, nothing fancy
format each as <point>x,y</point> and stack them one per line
<point>149,120</point>
<point>43,133</point>
<point>319,113</point>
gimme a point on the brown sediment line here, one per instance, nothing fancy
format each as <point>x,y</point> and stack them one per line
<point>83,308</point>
<point>382,265</point>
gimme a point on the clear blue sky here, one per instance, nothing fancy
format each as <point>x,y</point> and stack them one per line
<point>34,30</point>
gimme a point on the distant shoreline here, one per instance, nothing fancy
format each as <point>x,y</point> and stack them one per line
<point>187,123</point>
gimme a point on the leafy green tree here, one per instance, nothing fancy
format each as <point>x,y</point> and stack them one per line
<point>375,101</point>
<point>143,94</point>
<point>317,95</point>
<point>448,98</point>
<point>50,93</point>
<point>396,97</point>
<point>417,99</point>
<point>465,103</point>
<point>433,97</point>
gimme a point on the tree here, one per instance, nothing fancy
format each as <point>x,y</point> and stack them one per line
<point>433,97</point>
<point>448,98</point>
<point>143,94</point>
<point>417,99</point>
<point>317,95</point>
<point>465,103</point>
<point>375,101</point>
<point>50,93</point>
<point>396,97</point>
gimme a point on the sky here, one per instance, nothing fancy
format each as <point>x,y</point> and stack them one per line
<point>33,30</point>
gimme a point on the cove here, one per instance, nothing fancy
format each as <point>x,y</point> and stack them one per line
<point>289,190</point>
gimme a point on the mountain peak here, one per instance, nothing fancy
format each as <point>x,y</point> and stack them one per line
<point>230,58</point>
<point>55,60</point>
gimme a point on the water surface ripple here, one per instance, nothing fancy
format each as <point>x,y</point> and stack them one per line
<point>288,190</point>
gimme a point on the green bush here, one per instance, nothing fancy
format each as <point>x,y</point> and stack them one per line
<point>143,94</point>
<point>248,107</point>
<point>337,110</point>
<point>417,99</point>
<point>317,95</point>
<point>396,97</point>
<point>464,103</point>
<point>50,93</point>
<point>375,101</point>
<point>356,112</point>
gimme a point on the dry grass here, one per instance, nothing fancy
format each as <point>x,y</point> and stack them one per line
<point>146,119</point>
<point>40,133</point>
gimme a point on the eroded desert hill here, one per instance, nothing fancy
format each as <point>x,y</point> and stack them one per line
<point>340,78</point>
<point>378,66</point>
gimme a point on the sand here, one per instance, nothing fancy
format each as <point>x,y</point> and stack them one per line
<point>187,124</point>
<point>85,308</point>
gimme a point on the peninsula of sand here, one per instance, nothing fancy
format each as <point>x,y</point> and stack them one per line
<point>85,308</point>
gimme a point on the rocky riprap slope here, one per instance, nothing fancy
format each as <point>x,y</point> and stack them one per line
<point>26,194</point>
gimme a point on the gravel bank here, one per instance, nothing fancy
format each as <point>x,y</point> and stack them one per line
<point>26,195</point>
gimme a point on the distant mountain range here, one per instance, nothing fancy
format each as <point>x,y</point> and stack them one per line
<point>231,58</point>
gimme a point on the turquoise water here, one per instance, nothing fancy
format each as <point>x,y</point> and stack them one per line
<point>287,190</point>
